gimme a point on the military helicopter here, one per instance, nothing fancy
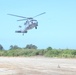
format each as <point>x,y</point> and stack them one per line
<point>30,22</point>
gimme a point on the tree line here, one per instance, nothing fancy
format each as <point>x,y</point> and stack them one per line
<point>31,50</point>
<point>28,46</point>
<point>60,53</point>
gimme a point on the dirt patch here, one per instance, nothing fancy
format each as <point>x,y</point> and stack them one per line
<point>37,66</point>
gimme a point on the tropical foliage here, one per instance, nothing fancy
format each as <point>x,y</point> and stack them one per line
<point>31,50</point>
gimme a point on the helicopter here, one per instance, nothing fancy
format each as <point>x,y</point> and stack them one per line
<point>30,23</point>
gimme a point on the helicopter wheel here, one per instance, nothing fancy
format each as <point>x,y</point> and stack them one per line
<point>20,26</point>
<point>35,27</point>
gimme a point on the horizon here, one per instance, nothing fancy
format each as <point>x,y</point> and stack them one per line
<point>57,28</point>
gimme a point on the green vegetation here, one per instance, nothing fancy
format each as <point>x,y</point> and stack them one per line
<point>31,50</point>
<point>34,52</point>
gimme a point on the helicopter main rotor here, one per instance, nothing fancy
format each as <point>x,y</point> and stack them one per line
<point>26,18</point>
<point>16,15</point>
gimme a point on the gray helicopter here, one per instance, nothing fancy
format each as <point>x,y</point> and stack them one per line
<point>29,24</point>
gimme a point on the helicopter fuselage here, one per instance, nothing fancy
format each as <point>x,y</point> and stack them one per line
<point>30,22</point>
<point>31,26</point>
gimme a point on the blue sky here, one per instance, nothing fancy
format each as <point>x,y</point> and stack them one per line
<point>57,28</point>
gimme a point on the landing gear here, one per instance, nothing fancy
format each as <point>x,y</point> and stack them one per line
<point>20,26</point>
<point>25,32</point>
<point>35,27</point>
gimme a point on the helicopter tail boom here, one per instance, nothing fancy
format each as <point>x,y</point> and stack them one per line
<point>20,32</point>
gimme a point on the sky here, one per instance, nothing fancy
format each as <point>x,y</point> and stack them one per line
<point>56,28</point>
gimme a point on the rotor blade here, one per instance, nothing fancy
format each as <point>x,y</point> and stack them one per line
<point>17,15</point>
<point>30,18</point>
<point>39,14</point>
<point>22,19</point>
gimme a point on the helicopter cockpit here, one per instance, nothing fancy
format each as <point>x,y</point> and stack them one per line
<point>30,22</point>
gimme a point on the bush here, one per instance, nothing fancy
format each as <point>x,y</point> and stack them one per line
<point>49,48</point>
